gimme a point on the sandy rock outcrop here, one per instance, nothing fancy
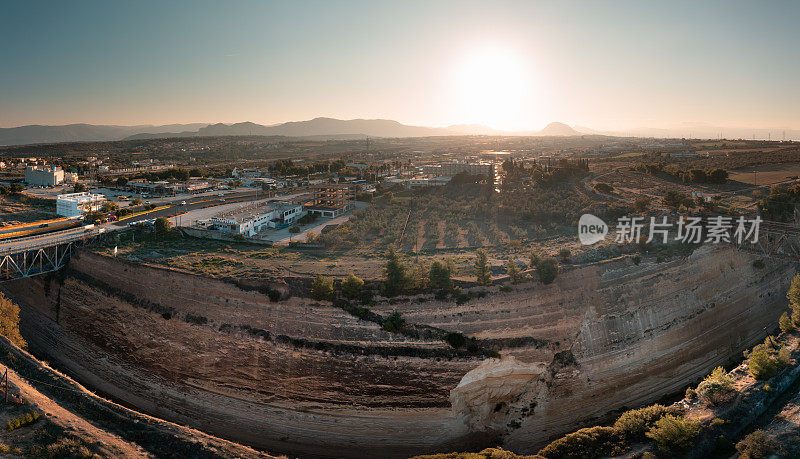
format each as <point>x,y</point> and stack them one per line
<point>494,385</point>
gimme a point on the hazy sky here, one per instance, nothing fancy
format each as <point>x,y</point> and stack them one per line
<point>511,65</point>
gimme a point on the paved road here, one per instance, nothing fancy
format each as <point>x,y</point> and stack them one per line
<point>46,240</point>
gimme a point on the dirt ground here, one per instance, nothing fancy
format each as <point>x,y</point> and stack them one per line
<point>57,432</point>
<point>25,209</point>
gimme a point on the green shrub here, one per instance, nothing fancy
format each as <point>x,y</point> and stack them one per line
<point>564,255</point>
<point>755,445</point>
<point>785,322</point>
<point>603,187</point>
<point>22,421</point>
<point>758,264</point>
<point>674,433</point>
<point>765,361</point>
<point>761,365</point>
<point>397,277</point>
<point>394,322</point>
<point>456,339</point>
<point>9,321</point>
<point>716,388</point>
<point>547,270</point>
<point>514,274</point>
<point>633,424</point>
<point>351,287</point>
<point>322,288</point>
<point>585,443</point>
<point>439,275</point>
<point>482,272</point>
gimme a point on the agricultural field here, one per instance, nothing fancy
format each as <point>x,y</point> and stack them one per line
<point>461,216</point>
<point>768,174</point>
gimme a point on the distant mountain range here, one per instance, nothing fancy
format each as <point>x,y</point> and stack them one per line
<point>330,128</point>
<point>323,128</point>
<point>82,132</point>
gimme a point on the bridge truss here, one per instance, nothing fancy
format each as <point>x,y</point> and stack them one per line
<point>776,240</point>
<point>38,255</point>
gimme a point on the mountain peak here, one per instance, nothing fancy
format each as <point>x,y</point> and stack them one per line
<point>558,129</point>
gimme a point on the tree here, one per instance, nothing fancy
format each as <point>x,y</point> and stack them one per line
<point>785,322</point>
<point>547,269</point>
<point>484,276</point>
<point>322,288</point>
<point>674,433</point>
<point>351,287</point>
<point>418,278</point>
<point>641,204</point>
<point>122,181</point>
<point>294,230</point>
<point>109,206</point>
<point>794,292</point>
<point>755,445</point>
<point>440,276</point>
<point>9,321</point>
<point>716,388</point>
<point>512,269</point>
<point>79,188</point>
<point>394,322</point>
<point>602,187</point>
<point>396,273</point>
<point>673,198</point>
<point>15,188</point>
<point>162,225</point>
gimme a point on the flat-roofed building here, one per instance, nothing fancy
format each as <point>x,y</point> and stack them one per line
<point>252,220</point>
<point>44,176</point>
<point>76,204</point>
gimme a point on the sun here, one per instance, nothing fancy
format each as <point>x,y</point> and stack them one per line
<point>494,87</point>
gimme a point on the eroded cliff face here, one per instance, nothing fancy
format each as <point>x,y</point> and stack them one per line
<point>310,379</point>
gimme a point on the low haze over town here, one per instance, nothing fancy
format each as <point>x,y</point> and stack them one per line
<point>437,230</point>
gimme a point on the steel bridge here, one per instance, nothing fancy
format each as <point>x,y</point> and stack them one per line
<point>775,240</point>
<point>35,255</point>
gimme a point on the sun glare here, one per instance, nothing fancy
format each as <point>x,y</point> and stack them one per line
<point>494,87</point>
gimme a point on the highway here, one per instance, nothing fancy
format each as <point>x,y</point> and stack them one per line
<point>35,241</point>
<point>47,240</point>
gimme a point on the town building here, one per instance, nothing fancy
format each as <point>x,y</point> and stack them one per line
<point>252,220</point>
<point>330,200</point>
<point>44,176</point>
<point>76,204</point>
<point>160,188</point>
<point>453,168</point>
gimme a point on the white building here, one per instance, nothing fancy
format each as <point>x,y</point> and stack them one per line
<point>76,204</point>
<point>277,215</point>
<point>44,176</point>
